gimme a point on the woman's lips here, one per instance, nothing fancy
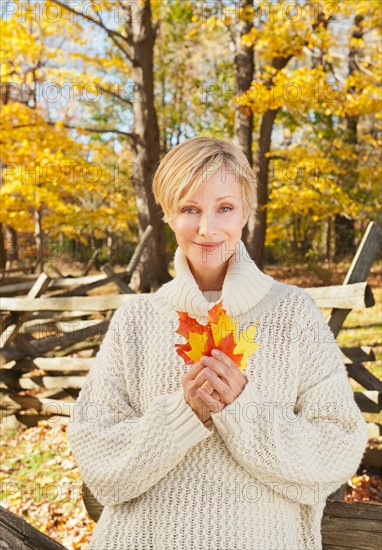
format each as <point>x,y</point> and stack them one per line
<point>209,246</point>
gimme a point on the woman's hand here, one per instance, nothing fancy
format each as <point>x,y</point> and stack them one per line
<point>192,381</point>
<point>224,376</point>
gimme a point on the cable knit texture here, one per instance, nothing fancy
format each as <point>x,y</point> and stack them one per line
<point>254,477</point>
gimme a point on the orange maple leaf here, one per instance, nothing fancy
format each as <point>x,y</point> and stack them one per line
<point>221,332</point>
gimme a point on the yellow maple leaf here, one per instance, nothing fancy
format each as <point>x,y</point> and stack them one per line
<point>221,332</point>
<point>246,345</point>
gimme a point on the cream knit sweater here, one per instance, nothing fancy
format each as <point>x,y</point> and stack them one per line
<point>256,475</point>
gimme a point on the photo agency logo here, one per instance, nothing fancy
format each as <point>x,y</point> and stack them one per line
<point>230,491</point>
<point>56,11</point>
<point>234,170</point>
<point>71,171</point>
<point>27,491</point>
<point>108,16</point>
<point>271,11</point>
<point>61,332</point>
<point>289,92</point>
<point>289,171</point>
<point>262,15</point>
<point>267,491</point>
<point>270,412</point>
<point>228,11</point>
<point>84,91</point>
<point>281,251</point>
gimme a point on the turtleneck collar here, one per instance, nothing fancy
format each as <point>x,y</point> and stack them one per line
<point>244,286</point>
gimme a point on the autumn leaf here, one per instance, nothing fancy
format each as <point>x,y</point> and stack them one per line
<point>364,488</point>
<point>221,332</point>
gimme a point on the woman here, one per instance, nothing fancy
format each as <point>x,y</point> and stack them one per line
<point>210,455</point>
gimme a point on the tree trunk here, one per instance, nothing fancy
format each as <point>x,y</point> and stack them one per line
<point>244,71</point>
<point>109,244</point>
<point>3,254</point>
<point>328,245</point>
<point>152,271</point>
<point>343,237</point>
<point>11,243</point>
<point>136,44</point>
<point>344,225</point>
<point>39,240</point>
<point>257,222</point>
<point>243,124</point>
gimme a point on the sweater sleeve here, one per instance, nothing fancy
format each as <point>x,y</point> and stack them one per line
<point>307,450</point>
<point>120,453</point>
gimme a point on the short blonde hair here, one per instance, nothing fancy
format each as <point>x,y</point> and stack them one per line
<point>189,164</point>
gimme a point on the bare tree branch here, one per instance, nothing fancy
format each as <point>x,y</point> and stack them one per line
<point>361,68</point>
<point>229,29</point>
<point>277,157</point>
<point>79,129</point>
<point>114,35</point>
<point>114,94</point>
<point>98,130</point>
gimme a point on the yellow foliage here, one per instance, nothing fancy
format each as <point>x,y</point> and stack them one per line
<point>221,332</point>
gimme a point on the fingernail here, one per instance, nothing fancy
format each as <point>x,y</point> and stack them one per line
<point>215,352</point>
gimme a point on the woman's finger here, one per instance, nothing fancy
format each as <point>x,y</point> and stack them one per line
<point>224,358</point>
<point>215,395</point>
<point>201,379</point>
<point>213,404</point>
<point>223,389</point>
<point>207,387</point>
<point>220,369</point>
<point>193,372</point>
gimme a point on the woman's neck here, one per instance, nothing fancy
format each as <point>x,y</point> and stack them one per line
<point>210,280</point>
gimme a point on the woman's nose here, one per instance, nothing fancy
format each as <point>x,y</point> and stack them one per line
<point>207,225</point>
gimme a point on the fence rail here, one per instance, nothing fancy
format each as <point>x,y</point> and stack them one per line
<point>40,377</point>
<point>41,331</point>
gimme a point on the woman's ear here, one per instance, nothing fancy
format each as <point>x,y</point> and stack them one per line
<point>245,217</point>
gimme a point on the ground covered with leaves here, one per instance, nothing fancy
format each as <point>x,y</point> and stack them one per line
<point>41,483</point>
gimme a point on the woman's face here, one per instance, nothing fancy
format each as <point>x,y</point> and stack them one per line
<point>214,214</point>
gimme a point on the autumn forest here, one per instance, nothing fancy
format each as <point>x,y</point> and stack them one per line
<point>94,93</point>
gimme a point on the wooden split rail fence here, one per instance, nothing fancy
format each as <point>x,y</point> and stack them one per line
<point>51,377</point>
<point>43,376</point>
<point>43,334</point>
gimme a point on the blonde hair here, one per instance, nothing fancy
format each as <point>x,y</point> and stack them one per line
<point>189,165</point>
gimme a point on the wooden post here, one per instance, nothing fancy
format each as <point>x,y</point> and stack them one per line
<point>17,534</point>
<point>359,270</point>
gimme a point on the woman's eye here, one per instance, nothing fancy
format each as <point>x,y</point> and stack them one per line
<point>187,209</point>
